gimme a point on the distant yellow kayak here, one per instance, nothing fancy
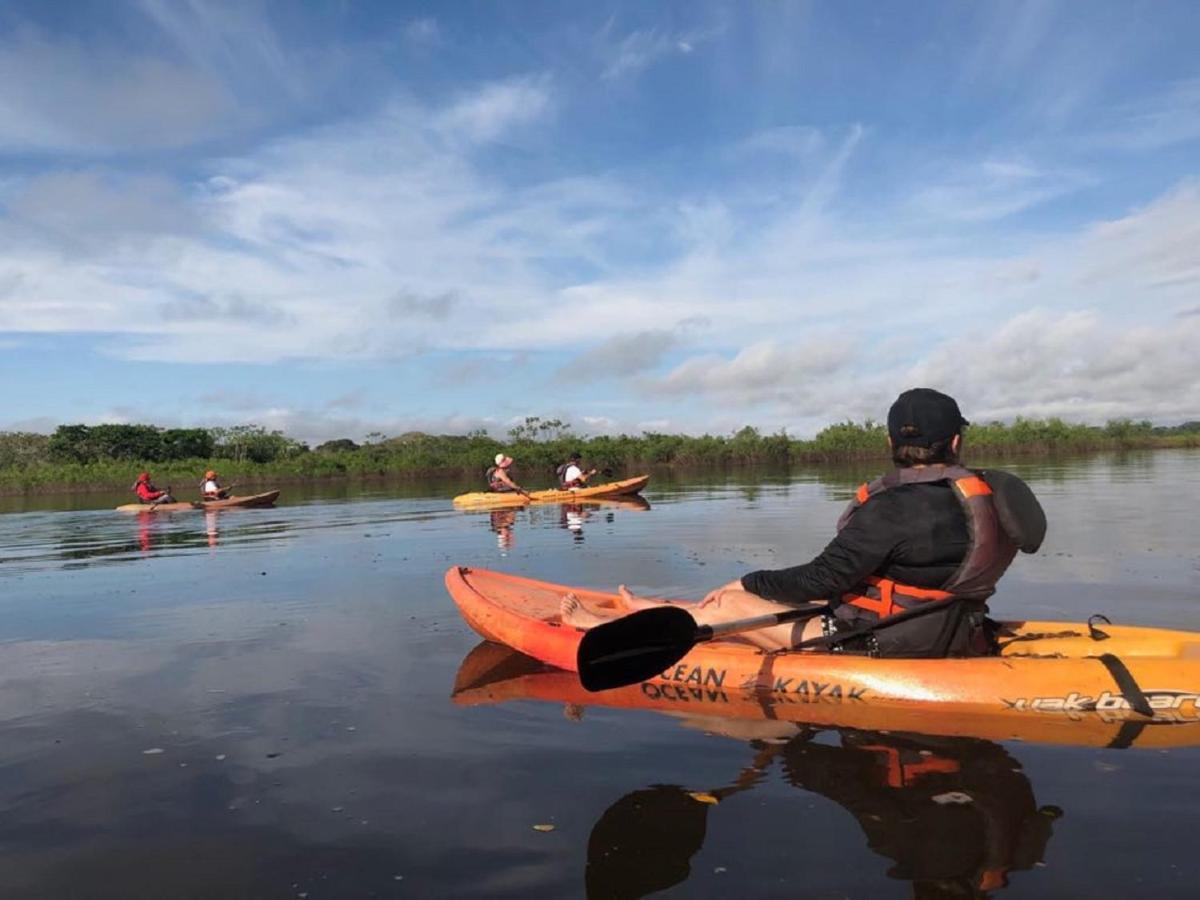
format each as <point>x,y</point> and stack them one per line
<point>494,500</point>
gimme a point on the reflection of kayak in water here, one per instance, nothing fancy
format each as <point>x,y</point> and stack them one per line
<point>633,502</point>
<point>493,499</point>
<point>955,816</point>
<point>267,498</point>
<point>949,811</point>
<point>493,673</point>
<point>1043,666</point>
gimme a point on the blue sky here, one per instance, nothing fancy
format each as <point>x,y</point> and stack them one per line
<point>344,217</point>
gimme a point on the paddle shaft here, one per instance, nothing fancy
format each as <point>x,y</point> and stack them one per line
<point>721,629</point>
<point>737,626</point>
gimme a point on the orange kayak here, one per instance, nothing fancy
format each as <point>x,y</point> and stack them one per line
<point>494,500</point>
<point>492,674</point>
<point>1044,667</point>
<point>267,498</point>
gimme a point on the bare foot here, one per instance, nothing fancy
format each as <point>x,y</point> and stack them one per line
<point>572,612</point>
<point>573,712</point>
<point>631,602</point>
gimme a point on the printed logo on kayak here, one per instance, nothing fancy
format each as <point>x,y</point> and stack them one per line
<point>700,677</point>
<point>1106,701</point>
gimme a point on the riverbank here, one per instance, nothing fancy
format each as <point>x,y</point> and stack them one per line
<point>422,455</point>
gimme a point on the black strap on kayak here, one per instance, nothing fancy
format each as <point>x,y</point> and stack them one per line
<point>1127,684</point>
<point>1095,633</point>
<point>831,640</point>
<point>1126,735</point>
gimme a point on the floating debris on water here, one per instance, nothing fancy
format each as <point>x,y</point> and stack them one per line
<point>952,797</point>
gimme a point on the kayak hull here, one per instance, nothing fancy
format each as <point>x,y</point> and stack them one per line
<point>1044,666</point>
<point>493,674</point>
<point>267,498</point>
<point>494,500</point>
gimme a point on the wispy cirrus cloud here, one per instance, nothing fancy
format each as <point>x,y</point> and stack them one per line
<point>993,189</point>
<point>640,49</point>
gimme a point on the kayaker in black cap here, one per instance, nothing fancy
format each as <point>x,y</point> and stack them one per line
<point>571,474</point>
<point>929,535</point>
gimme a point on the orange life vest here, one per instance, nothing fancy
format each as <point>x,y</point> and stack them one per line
<point>990,554</point>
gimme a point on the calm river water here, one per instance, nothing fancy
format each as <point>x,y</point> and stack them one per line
<point>259,704</point>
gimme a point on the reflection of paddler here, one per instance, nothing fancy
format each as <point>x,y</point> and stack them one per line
<point>210,526</point>
<point>145,541</point>
<point>502,521</point>
<point>573,517</point>
<point>645,841</point>
<point>955,815</point>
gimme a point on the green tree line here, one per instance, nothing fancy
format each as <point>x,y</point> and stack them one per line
<point>108,456</point>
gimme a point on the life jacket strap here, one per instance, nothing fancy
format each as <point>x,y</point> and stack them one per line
<point>885,597</point>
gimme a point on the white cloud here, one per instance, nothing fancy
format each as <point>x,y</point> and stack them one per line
<point>1076,365</point>
<point>765,372</point>
<point>495,110</point>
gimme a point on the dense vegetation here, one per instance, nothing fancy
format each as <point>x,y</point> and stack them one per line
<point>109,456</point>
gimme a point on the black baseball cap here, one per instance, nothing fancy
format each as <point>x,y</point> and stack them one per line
<point>922,416</point>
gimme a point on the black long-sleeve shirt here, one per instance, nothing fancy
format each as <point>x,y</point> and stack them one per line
<point>916,534</point>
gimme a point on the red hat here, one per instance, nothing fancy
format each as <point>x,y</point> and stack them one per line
<point>144,476</point>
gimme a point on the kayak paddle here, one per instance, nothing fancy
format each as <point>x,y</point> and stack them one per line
<point>643,644</point>
<point>632,649</point>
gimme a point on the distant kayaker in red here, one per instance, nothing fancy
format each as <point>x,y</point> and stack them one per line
<point>148,493</point>
<point>499,480</point>
<point>571,474</point>
<point>210,488</point>
<point>916,556</point>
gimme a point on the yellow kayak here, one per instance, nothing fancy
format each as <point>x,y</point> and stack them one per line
<point>494,500</point>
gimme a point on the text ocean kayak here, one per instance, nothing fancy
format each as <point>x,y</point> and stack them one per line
<point>493,673</point>
<point>493,500</point>
<point>1043,666</point>
<point>266,498</point>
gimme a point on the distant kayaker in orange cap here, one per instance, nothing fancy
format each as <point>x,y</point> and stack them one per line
<point>148,493</point>
<point>499,480</point>
<point>210,487</point>
<point>917,554</point>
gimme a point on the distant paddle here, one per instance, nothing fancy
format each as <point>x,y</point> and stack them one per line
<point>643,644</point>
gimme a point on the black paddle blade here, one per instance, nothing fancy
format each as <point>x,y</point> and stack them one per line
<point>635,647</point>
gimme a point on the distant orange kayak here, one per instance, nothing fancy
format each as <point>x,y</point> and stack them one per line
<point>496,500</point>
<point>266,498</point>
<point>1044,667</point>
<point>492,674</point>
